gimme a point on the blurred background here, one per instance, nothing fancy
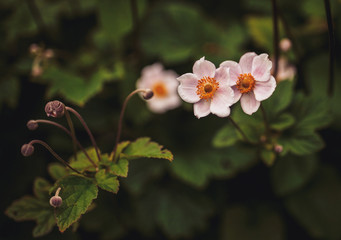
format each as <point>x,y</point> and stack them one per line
<point>89,54</point>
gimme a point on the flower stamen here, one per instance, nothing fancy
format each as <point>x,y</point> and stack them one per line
<point>206,88</point>
<point>160,89</point>
<point>246,83</point>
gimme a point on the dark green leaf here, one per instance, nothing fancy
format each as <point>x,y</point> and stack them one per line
<point>268,156</point>
<point>225,137</point>
<point>120,168</point>
<point>282,122</point>
<point>107,181</point>
<point>77,193</point>
<point>291,173</point>
<point>9,91</point>
<point>57,170</point>
<point>40,188</point>
<point>82,163</point>
<point>144,148</point>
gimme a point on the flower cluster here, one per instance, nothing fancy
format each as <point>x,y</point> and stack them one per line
<point>214,90</point>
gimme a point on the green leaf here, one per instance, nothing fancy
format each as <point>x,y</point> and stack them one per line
<point>198,169</point>
<point>82,163</point>
<point>9,91</point>
<point>291,173</point>
<point>225,137</point>
<point>120,168</point>
<point>268,156</point>
<point>107,181</point>
<point>301,142</point>
<point>252,222</point>
<point>57,170</point>
<point>120,147</point>
<point>77,193</point>
<point>282,122</point>
<point>35,208</point>
<point>317,207</point>
<point>144,148</point>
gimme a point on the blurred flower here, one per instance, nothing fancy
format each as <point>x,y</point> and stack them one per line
<point>285,44</point>
<point>208,88</point>
<point>285,71</point>
<point>251,80</point>
<point>163,84</point>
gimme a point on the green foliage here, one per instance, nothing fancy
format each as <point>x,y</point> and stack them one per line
<point>9,91</point>
<point>225,137</point>
<point>107,181</point>
<point>77,193</point>
<point>82,163</point>
<point>56,170</point>
<point>35,208</point>
<point>120,168</point>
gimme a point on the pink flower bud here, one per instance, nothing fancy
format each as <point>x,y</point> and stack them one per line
<point>27,150</point>
<point>32,125</point>
<point>56,201</point>
<point>285,44</point>
<point>49,53</point>
<point>34,48</point>
<point>55,109</point>
<point>148,94</point>
<point>278,148</point>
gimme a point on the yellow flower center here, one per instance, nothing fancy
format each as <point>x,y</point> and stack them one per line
<point>246,83</point>
<point>160,89</point>
<point>206,87</point>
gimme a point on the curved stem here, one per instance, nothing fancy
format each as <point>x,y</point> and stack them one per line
<point>331,46</point>
<point>73,134</point>
<point>239,129</point>
<point>69,133</point>
<point>119,128</point>
<point>54,154</point>
<point>275,36</point>
<point>87,130</point>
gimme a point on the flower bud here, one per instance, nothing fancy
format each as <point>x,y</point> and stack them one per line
<point>49,53</point>
<point>56,201</point>
<point>34,48</point>
<point>55,109</point>
<point>32,125</point>
<point>36,71</point>
<point>278,148</point>
<point>148,94</point>
<point>285,44</point>
<point>27,150</point>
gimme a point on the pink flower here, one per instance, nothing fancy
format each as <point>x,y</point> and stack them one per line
<point>208,88</point>
<point>164,85</point>
<point>286,71</point>
<point>251,80</point>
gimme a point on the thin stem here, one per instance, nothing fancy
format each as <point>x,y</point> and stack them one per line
<point>136,32</point>
<point>54,154</point>
<point>57,192</point>
<point>239,129</point>
<point>87,130</point>
<point>266,122</point>
<point>69,133</point>
<point>36,14</point>
<point>275,36</point>
<point>119,128</point>
<point>331,46</point>
<point>73,134</point>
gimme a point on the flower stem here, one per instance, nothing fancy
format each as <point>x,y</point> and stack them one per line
<point>70,134</point>
<point>54,154</point>
<point>239,129</point>
<point>331,46</point>
<point>72,131</point>
<point>275,36</point>
<point>119,128</point>
<point>36,14</point>
<point>266,122</point>
<point>87,130</point>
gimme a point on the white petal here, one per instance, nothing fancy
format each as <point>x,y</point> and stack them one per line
<point>245,62</point>
<point>261,67</point>
<point>264,90</point>
<point>222,76</point>
<point>161,105</point>
<point>203,68</point>
<point>202,108</point>
<point>249,103</point>
<point>235,71</point>
<point>151,70</point>
<point>188,88</point>
<point>221,102</point>
<point>237,94</point>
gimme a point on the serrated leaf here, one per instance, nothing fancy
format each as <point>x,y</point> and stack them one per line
<point>268,156</point>
<point>283,121</point>
<point>198,169</point>
<point>120,168</point>
<point>225,137</point>
<point>82,163</point>
<point>120,147</point>
<point>107,181</point>
<point>301,142</point>
<point>77,193</point>
<point>291,173</point>
<point>35,208</point>
<point>57,170</point>
<point>144,148</point>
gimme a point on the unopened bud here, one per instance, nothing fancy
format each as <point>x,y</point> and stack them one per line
<point>56,201</point>
<point>36,71</point>
<point>27,150</point>
<point>278,148</point>
<point>34,48</point>
<point>49,53</point>
<point>55,109</point>
<point>148,94</point>
<point>32,125</point>
<point>285,44</point>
